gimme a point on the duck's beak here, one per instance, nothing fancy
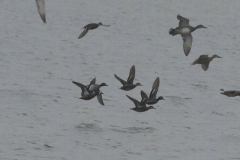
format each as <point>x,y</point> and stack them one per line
<point>105,25</point>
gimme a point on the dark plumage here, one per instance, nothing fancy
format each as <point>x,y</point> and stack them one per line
<point>127,86</point>
<point>140,106</point>
<point>204,60</point>
<point>231,93</point>
<point>152,97</point>
<point>91,26</point>
<point>85,89</point>
<point>90,91</point>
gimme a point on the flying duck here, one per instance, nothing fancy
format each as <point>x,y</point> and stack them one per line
<point>231,93</point>
<point>85,89</point>
<point>152,97</point>
<point>141,106</point>
<point>91,26</point>
<point>204,60</point>
<point>185,30</point>
<point>127,86</point>
<point>89,94</point>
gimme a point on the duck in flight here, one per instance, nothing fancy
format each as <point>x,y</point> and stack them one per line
<point>204,60</point>
<point>128,85</point>
<point>231,93</point>
<point>152,97</point>
<point>88,94</point>
<point>185,30</point>
<point>91,26</point>
<point>140,106</point>
<point>41,9</point>
<point>85,89</point>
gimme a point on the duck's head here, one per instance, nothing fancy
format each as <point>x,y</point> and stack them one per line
<point>138,84</point>
<point>100,24</point>
<point>103,84</point>
<point>216,56</point>
<point>161,98</point>
<point>201,26</point>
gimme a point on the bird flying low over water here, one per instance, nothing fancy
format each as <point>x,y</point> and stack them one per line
<point>152,97</point>
<point>91,95</point>
<point>85,89</point>
<point>140,106</point>
<point>204,60</point>
<point>90,91</point>
<point>127,86</point>
<point>231,93</point>
<point>91,26</point>
<point>185,30</point>
<point>41,9</point>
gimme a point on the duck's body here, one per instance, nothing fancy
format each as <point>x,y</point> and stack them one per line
<point>92,95</point>
<point>153,95</point>
<point>41,9</point>
<point>96,87</point>
<point>89,93</point>
<point>204,60</point>
<point>85,88</point>
<point>140,106</point>
<point>128,85</point>
<point>91,26</point>
<point>231,93</point>
<point>185,30</point>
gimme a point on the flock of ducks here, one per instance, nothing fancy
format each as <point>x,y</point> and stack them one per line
<point>92,90</point>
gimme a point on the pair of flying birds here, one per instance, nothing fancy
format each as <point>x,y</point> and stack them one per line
<point>91,26</point>
<point>92,90</point>
<point>185,30</point>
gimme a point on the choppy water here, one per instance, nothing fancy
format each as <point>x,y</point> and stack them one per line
<point>42,117</point>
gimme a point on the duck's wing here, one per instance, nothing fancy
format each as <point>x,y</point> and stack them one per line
<point>93,81</point>
<point>182,21</point>
<point>100,100</point>
<point>205,66</point>
<point>120,79</point>
<point>155,87</point>
<point>187,43</point>
<point>144,97</point>
<point>79,85</point>
<point>134,101</point>
<point>83,87</point>
<point>83,33</point>
<point>41,9</point>
<point>131,75</point>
